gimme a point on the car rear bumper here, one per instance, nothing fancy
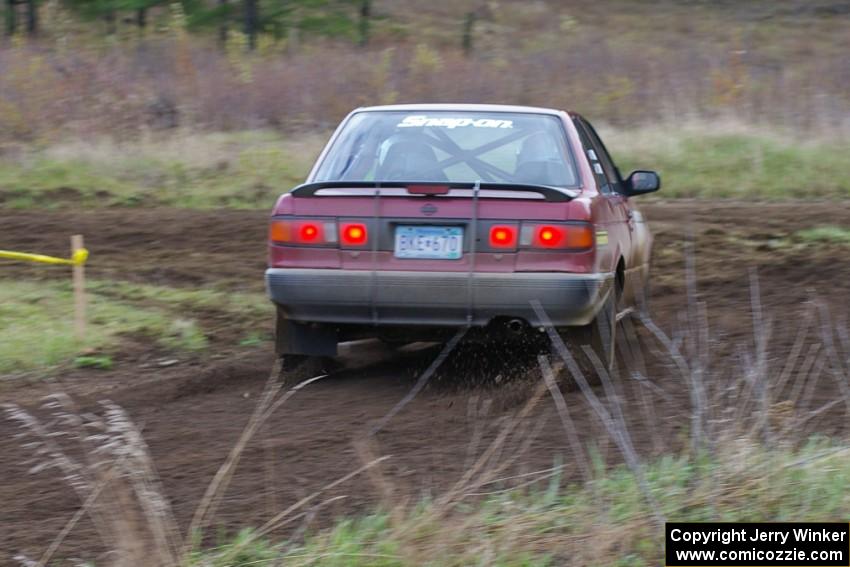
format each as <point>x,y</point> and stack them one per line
<point>434,298</point>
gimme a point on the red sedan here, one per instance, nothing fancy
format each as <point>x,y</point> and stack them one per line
<point>417,220</point>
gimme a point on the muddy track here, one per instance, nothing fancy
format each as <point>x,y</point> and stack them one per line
<point>192,413</point>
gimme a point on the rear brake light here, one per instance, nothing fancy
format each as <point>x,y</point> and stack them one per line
<point>428,189</point>
<point>557,236</point>
<point>353,233</point>
<point>503,236</point>
<point>550,236</point>
<point>303,232</point>
<point>309,232</point>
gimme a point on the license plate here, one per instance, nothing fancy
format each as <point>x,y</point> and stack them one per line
<point>429,242</point>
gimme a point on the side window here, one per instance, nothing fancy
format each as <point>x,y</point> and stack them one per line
<point>608,166</point>
<point>593,158</point>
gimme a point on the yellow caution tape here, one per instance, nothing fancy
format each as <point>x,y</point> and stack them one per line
<point>78,258</point>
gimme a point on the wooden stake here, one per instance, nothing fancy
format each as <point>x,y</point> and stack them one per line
<point>79,291</point>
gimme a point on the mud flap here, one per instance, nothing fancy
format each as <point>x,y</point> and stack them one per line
<point>304,338</point>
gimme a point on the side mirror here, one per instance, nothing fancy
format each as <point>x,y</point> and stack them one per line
<point>641,182</point>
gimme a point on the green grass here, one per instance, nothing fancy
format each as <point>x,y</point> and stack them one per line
<point>241,304</point>
<point>825,235</point>
<point>816,238</point>
<point>36,321</point>
<point>735,161</point>
<point>250,169</point>
<point>549,525</point>
<point>93,361</point>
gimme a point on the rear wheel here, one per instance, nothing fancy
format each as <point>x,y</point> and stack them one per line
<point>642,296</point>
<point>600,336</point>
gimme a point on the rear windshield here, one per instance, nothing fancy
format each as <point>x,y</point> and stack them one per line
<point>495,147</point>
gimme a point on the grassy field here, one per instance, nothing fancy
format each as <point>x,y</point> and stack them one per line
<point>732,160</point>
<point>37,333</point>
<point>249,169</point>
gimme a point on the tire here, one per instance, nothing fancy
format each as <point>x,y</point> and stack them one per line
<point>642,296</point>
<point>600,335</point>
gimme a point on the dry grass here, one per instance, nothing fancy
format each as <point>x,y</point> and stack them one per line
<point>781,64</point>
<point>104,459</point>
<point>177,168</point>
<point>725,100</point>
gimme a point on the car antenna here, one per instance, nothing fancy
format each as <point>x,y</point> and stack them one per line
<point>373,292</point>
<point>472,246</point>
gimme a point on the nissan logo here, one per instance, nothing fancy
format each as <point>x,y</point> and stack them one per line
<point>428,209</point>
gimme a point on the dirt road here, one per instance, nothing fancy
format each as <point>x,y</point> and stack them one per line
<point>192,413</point>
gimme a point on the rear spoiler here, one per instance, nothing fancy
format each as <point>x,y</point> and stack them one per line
<point>549,193</point>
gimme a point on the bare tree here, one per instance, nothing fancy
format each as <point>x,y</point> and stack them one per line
<point>251,22</point>
<point>223,30</point>
<point>11,17</point>
<point>32,17</point>
<point>468,28</point>
<point>365,17</point>
<point>110,19</point>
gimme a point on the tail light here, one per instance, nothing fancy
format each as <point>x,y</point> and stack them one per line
<point>313,232</point>
<point>574,236</point>
<point>353,234</point>
<point>560,236</point>
<point>549,236</point>
<point>428,189</point>
<point>309,232</point>
<point>503,236</point>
